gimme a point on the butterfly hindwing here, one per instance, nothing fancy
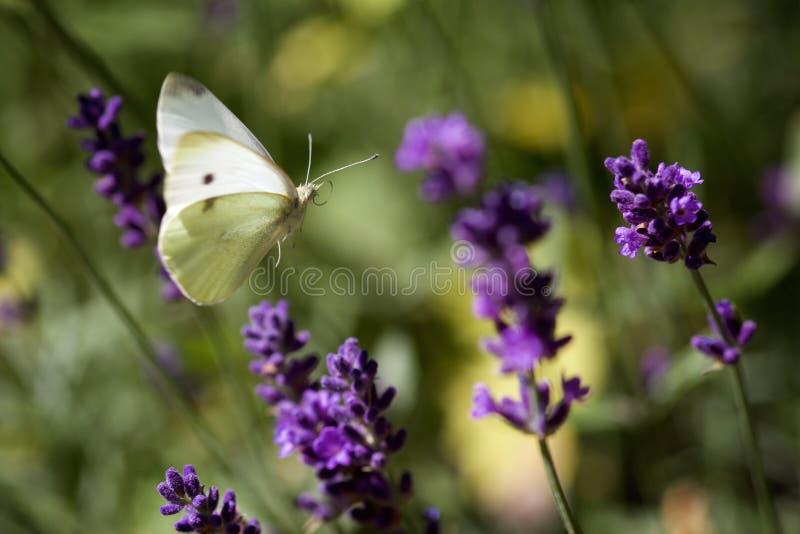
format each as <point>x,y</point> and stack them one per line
<point>211,247</point>
<point>184,106</point>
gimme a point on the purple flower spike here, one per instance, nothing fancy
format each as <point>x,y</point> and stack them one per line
<point>118,160</point>
<point>336,425</point>
<point>725,348</point>
<point>185,493</point>
<point>519,299</point>
<point>665,217</point>
<point>271,337</point>
<point>448,149</point>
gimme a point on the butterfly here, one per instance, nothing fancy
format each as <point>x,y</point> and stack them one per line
<point>228,203</point>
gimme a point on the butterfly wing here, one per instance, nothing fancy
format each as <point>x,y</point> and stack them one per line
<point>184,106</point>
<point>209,165</point>
<point>211,247</point>
<point>226,207</point>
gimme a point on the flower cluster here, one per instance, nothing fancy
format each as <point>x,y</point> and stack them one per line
<point>448,149</point>
<point>664,215</point>
<point>118,160</point>
<point>185,493</point>
<point>725,346</point>
<point>542,419</point>
<point>336,425</point>
<point>519,300</point>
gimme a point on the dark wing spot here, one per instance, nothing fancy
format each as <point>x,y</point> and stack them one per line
<point>179,84</point>
<point>208,204</point>
<point>208,178</point>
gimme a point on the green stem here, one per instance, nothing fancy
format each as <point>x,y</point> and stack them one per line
<point>769,515</point>
<point>567,517</point>
<point>564,510</point>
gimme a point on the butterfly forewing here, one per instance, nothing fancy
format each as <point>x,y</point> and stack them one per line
<point>184,106</point>
<point>208,165</point>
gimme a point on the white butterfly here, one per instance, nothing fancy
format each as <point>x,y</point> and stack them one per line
<point>228,203</point>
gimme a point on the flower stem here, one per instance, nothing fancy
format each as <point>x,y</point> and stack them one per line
<point>769,515</point>
<point>567,517</point>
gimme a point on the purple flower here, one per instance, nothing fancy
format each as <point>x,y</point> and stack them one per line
<point>518,299</point>
<point>271,337</point>
<point>448,149</point>
<point>557,189</point>
<point>653,366</point>
<point>630,240</point>
<point>184,493</point>
<point>776,191</point>
<point>508,219</point>
<point>725,347</point>
<point>540,417</point>
<point>118,160</point>
<point>665,217</point>
<point>431,518</point>
<point>341,432</point>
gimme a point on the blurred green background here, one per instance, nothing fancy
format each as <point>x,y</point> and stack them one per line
<point>84,434</point>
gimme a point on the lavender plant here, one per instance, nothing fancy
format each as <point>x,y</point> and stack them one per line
<point>118,160</point>
<point>336,424</point>
<point>669,221</point>
<point>520,302</point>
<point>186,494</point>
<point>507,289</point>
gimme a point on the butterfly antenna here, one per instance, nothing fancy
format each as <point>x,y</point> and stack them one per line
<point>318,178</point>
<point>308,172</point>
<point>278,261</point>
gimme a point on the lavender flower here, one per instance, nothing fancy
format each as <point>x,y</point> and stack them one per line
<point>653,366</point>
<point>448,149</point>
<point>665,217</point>
<point>520,302</point>
<point>118,160</point>
<point>336,425</point>
<point>725,347</point>
<point>508,219</point>
<point>341,431</point>
<point>271,338</point>
<point>776,192</point>
<point>186,494</point>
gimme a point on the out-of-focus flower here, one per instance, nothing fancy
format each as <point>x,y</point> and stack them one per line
<point>448,149</point>
<point>118,160</point>
<point>557,189</point>
<point>520,301</point>
<point>738,332</point>
<point>19,274</point>
<point>221,15</point>
<point>653,366</point>
<point>777,195</point>
<point>665,217</point>
<point>184,493</point>
<point>508,219</point>
<point>685,509</point>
